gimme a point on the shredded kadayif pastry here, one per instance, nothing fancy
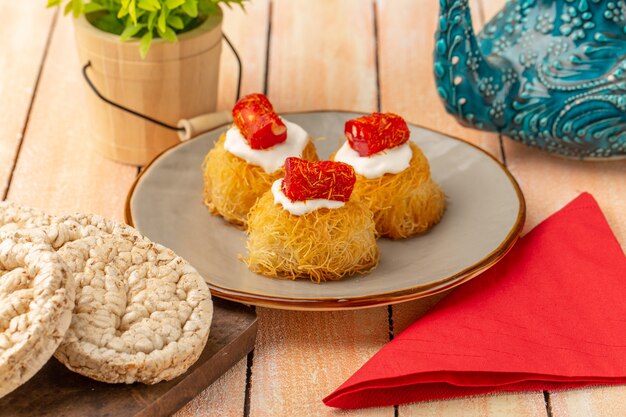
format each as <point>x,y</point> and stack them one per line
<point>232,186</point>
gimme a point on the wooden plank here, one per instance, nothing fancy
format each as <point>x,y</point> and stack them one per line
<point>396,17</point>
<point>224,398</point>
<point>497,405</point>
<point>407,87</point>
<point>589,402</point>
<point>300,357</point>
<point>420,103</point>
<point>24,33</point>
<point>549,183</point>
<point>55,390</point>
<point>57,171</point>
<point>248,33</point>
<point>321,57</point>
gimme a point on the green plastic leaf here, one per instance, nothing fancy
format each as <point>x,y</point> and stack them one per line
<point>169,34</point>
<point>67,9</point>
<point>122,12</point>
<point>191,7</point>
<point>162,22</point>
<point>109,23</point>
<point>152,20</point>
<point>144,44</point>
<point>172,4</point>
<point>77,7</point>
<point>132,11</point>
<point>144,19</point>
<point>130,31</point>
<point>149,5</point>
<point>176,22</point>
<point>146,6</point>
<point>208,8</point>
<point>93,7</point>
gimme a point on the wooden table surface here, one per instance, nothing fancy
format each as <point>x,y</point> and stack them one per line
<point>305,54</point>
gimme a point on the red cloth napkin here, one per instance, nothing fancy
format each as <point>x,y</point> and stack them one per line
<point>550,315</point>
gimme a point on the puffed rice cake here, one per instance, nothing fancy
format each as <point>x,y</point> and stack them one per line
<point>36,303</point>
<point>142,313</point>
<point>57,230</point>
<point>14,217</point>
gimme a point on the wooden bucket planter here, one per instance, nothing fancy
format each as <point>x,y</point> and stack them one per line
<point>175,81</point>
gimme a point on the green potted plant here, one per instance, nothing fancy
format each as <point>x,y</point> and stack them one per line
<point>157,57</point>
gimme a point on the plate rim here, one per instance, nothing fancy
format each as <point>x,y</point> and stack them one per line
<point>364,301</point>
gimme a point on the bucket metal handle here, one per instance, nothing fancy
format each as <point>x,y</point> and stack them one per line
<point>190,128</point>
<point>186,128</point>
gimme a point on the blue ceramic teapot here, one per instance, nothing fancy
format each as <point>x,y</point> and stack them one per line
<point>548,73</point>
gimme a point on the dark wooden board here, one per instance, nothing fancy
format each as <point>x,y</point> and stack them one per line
<point>56,391</point>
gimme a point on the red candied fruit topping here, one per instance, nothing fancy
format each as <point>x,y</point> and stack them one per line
<point>376,132</point>
<point>255,118</point>
<point>306,180</point>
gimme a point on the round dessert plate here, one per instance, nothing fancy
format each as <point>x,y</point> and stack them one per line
<point>484,217</point>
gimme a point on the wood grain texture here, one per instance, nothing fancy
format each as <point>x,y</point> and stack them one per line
<point>549,182</point>
<point>23,33</point>
<point>56,169</point>
<point>407,85</point>
<point>300,357</point>
<point>406,31</point>
<point>56,391</point>
<point>224,398</point>
<point>248,33</point>
<point>497,405</point>
<point>321,57</point>
<point>589,402</point>
<point>406,313</point>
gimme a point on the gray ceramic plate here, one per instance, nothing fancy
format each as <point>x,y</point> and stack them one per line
<point>484,218</point>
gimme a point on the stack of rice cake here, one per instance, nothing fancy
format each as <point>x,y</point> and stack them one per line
<point>106,301</point>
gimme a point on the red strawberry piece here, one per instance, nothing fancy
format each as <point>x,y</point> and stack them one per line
<point>376,132</point>
<point>306,180</point>
<point>255,118</point>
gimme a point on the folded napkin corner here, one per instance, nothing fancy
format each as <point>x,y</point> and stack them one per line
<point>550,315</point>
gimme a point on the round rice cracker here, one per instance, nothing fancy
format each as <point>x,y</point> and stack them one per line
<point>36,303</point>
<point>14,217</point>
<point>65,229</point>
<point>142,313</point>
<point>57,230</point>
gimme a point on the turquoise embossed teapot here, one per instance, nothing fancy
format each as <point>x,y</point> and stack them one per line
<point>548,73</point>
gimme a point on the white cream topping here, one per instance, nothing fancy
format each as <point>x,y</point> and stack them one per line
<point>270,159</point>
<point>389,161</point>
<point>298,208</point>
